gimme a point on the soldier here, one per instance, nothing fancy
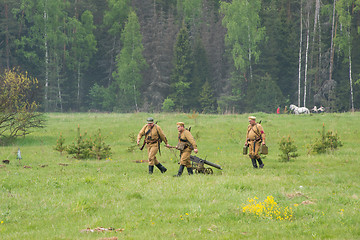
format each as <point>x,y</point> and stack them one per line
<point>186,144</point>
<point>153,136</point>
<point>254,138</point>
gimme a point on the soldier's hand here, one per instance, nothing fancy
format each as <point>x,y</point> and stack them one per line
<point>168,146</point>
<point>138,142</point>
<point>195,150</point>
<point>263,143</point>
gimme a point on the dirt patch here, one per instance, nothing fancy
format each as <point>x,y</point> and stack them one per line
<point>296,194</point>
<point>307,202</point>
<point>102,229</point>
<point>141,161</point>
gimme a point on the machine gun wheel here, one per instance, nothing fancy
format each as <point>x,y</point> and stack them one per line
<point>208,171</point>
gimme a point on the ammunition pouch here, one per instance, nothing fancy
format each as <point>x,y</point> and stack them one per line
<point>181,146</point>
<point>149,141</point>
<point>245,149</point>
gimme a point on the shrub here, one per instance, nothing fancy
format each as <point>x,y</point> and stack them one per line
<point>168,105</point>
<point>132,137</point>
<point>60,144</point>
<point>18,110</point>
<point>327,140</point>
<point>85,147</point>
<point>288,149</point>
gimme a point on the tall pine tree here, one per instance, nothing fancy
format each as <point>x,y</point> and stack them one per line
<point>182,72</point>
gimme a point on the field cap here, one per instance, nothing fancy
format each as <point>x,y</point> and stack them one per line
<point>150,120</point>
<point>180,124</point>
<point>252,118</point>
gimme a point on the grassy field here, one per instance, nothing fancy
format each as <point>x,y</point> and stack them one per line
<point>57,202</point>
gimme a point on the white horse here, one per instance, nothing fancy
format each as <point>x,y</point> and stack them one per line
<point>299,110</point>
<point>318,110</point>
<point>315,109</point>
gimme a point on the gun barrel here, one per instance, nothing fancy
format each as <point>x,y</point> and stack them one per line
<point>213,164</point>
<point>199,160</point>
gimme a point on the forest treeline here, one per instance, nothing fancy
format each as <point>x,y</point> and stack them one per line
<point>208,56</point>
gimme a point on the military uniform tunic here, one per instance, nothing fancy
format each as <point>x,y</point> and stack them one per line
<point>255,135</point>
<point>186,138</point>
<point>152,139</point>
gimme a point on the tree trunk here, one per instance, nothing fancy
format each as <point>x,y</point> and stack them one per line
<point>300,43</point>
<point>58,85</point>
<point>111,62</point>
<point>332,43</point>
<point>350,77</point>
<point>316,18</point>
<point>78,84</point>
<point>46,59</point>
<point>132,59</point>
<point>250,67</point>
<point>7,37</point>
<point>320,55</point>
<point>306,55</point>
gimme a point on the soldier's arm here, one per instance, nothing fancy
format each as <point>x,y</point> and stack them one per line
<point>162,135</point>
<point>262,133</point>
<point>247,136</point>
<point>191,139</point>
<point>141,133</point>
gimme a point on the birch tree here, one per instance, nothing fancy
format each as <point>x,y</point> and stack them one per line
<point>244,32</point>
<point>300,53</point>
<point>114,20</point>
<point>306,54</point>
<point>83,47</point>
<point>130,63</point>
<point>343,40</point>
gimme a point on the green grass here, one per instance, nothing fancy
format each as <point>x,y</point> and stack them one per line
<point>56,202</point>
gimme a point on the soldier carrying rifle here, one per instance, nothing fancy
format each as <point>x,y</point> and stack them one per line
<point>186,145</point>
<point>255,136</point>
<point>153,137</point>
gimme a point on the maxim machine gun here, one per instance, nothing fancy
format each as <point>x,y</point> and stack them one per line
<point>197,165</point>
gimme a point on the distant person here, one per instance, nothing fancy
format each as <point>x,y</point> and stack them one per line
<point>255,136</point>
<point>278,110</point>
<point>285,110</point>
<point>186,144</point>
<point>153,137</point>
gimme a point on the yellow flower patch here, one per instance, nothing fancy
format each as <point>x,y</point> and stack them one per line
<point>268,209</point>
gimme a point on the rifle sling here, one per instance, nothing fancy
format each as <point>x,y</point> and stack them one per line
<point>259,136</point>
<point>154,141</point>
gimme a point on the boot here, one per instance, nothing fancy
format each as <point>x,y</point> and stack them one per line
<point>181,169</point>
<point>151,169</point>
<point>254,163</point>
<point>161,168</point>
<point>261,164</point>
<point>190,171</point>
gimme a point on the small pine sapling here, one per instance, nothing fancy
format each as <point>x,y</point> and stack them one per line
<point>60,144</point>
<point>327,140</point>
<point>288,149</point>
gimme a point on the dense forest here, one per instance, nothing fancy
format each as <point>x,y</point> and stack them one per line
<point>208,56</point>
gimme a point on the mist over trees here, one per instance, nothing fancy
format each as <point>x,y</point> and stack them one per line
<point>185,55</point>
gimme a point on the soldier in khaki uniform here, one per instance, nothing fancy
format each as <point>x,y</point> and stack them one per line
<point>153,136</point>
<point>255,136</point>
<point>185,144</point>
